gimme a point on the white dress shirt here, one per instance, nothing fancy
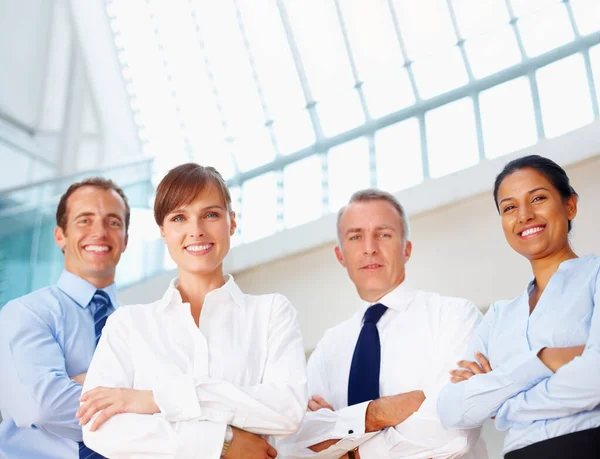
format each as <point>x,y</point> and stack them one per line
<point>244,366</point>
<point>422,336</point>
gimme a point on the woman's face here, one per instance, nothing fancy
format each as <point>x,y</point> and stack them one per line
<point>198,234</point>
<point>534,215</point>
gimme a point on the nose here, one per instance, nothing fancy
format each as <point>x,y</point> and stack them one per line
<point>196,229</point>
<point>371,246</point>
<point>525,213</point>
<point>99,228</point>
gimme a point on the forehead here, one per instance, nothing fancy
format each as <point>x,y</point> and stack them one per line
<point>523,181</point>
<point>210,195</point>
<point>93,198</point>
<point>372,213</point>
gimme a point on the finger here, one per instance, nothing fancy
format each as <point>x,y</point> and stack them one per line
<point>465,374</point>
<point>456,379</point>
<point>313,406</point>
<point>93,393</point>
<point>483,362</point>
<point>471,366</point>
<point>321,401</point>
<point>92,409</point>
<point>104,416</point>
<point>272,452</point>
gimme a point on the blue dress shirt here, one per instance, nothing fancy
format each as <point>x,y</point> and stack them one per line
<point>529,401</point>
<point>45,337</point>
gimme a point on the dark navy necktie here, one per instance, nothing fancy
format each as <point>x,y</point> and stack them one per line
<point>363,382</point>
<point>101,301</point>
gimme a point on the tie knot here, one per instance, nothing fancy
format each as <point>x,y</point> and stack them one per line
<point>101,298</point>
<point>374,313</point>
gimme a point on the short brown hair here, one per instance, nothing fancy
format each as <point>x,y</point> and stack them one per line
<point>182,184</point>
<point>373,194</point>
<point>98,182</point>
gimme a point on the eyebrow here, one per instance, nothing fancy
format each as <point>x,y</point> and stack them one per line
<point>529,192</point>
<point>380,227</point>
<point>92,214</point>
<point>183,210</point>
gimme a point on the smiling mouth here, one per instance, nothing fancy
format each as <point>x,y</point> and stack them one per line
<point>93,248</point>
<point>199,248</point>
<point>531,232</point>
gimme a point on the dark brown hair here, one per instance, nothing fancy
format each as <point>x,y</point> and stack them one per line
<point>183,184</point>
<point>98,182</point>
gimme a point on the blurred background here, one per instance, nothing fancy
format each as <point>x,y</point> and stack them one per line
<point>297,103</point>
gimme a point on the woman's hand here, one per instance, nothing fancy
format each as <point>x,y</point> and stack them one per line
<point>110,401</point>
<point>467,369</point>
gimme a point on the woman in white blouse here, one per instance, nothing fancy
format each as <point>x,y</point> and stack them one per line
<point>206,371</point>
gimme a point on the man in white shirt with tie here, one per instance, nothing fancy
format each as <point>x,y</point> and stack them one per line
<point>374,378</point>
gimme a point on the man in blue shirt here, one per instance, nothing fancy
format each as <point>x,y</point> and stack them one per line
<point>48,337</point>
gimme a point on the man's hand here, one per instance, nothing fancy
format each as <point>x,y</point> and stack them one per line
<point>111,401</point>
<point>317,402</point>
<point>393,410</point>
<point>556,357</point>
<point>79,379</point>
<point>467,369</point>
<point>246,445</point>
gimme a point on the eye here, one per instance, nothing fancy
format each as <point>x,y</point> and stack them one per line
<point>385,235</point>
<point>115,223</point>
<point>177,218</point>
<point>212,215</point>
<point>538,199</point>
<point>83,221</point>
<point>354,238</point>
<point>508,208</point>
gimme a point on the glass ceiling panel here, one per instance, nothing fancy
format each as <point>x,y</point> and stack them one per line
<point>321,87</point>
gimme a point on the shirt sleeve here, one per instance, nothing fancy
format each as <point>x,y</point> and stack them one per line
<point>33,375</point>
<point>141,435</point>
<point>274,407</point>
<point>471,403</point>
<point>575,387</point>
<point>346,424</point>
<point>422,435</point>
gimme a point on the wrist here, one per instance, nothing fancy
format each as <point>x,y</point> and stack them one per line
<point>372,421</point>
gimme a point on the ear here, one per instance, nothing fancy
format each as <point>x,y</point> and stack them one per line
<point>162,231</point>
<point>233,225</point>
<point>60,238</point>
<point>407,250</point>
<point>126,241</point>
<point>338,255</point>
<point>571,207</point>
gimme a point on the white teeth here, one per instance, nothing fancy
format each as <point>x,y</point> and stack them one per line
<point>96,248</point>
<point>530,231</point>
<point>198,248</point>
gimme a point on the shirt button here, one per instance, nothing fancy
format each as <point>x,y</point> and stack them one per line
<point>351,431</point>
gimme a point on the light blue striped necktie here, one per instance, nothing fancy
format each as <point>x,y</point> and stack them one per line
<point>101,301</point>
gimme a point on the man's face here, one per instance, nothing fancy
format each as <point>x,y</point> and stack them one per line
<point>372,247</point>
<point>95,235</point>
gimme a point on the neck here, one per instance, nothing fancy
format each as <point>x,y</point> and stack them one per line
<point>194,288</point>
<point>97,281</point>
<point>373,297</point>
<point>544,268</point>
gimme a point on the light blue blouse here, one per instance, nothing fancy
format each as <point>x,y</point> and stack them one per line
<point>528,400</point>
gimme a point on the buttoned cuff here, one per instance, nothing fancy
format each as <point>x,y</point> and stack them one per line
<point>374,448</point>
<point>526,370</point>
<point>200,439</point>
<point>351,421</point>
<point>177,399</point>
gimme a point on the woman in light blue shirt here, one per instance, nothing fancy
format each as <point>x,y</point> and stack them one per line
<point>536,366</point>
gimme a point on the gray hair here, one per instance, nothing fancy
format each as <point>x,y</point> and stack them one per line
<point>373,194</point>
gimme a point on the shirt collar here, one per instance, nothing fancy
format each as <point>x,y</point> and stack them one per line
<point>81,290</point>
<point>229,291</point>
<point>398,299</point>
